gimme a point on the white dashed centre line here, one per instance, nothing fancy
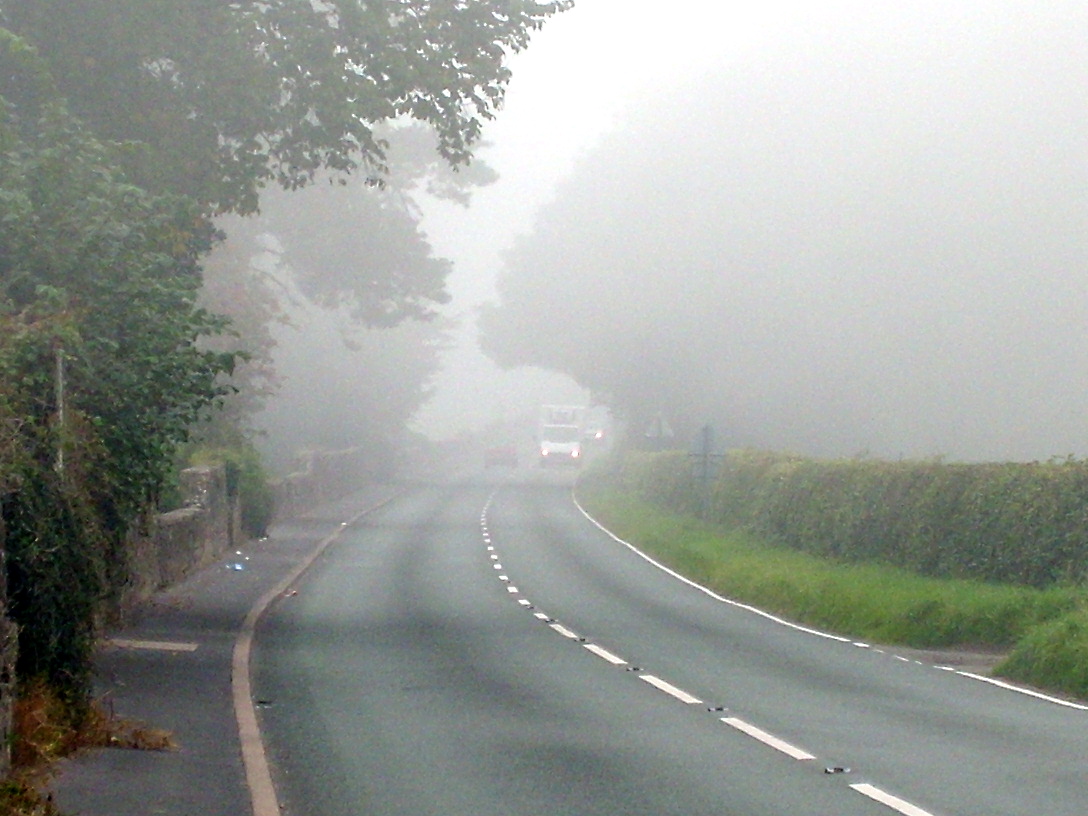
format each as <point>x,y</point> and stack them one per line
<point>564,631</point>
<point>894,802</point>
<point>876,794</point>
<point>607,655</point>
<point>669,688</point>
<point>768,739</point>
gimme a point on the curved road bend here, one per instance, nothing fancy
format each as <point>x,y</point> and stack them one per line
<point>480,648</point>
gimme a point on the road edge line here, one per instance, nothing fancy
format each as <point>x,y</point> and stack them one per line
<point>262,790</point>
<point>993,681</point>
<point>808,630</point>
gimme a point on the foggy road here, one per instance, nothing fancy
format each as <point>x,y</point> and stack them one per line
<point>480,647</point>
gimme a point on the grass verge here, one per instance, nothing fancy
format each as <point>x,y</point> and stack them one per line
<point>1046,630</point>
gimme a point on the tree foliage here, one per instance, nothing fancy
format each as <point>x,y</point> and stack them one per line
<point>120,265</point>
<point>125,126</point>
<point>863,246</point>
<point>360,249</point>
<point>346,386</point>
<point>98,278</point>
<point>222,98</point>
<point>335,290</point>
<point>351,326</point>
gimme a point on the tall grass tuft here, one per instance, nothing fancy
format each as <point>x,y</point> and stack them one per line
<point>1053,655</point>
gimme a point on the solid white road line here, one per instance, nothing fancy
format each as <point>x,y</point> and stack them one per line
<point>818,633</point>
<point>669,688</point>
<point>706,591</point>
<point>993,681</point>
<point>894,802</point>
<point>768,739</point>
<point>262,792</point>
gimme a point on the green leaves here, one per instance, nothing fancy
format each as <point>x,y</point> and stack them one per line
<point>125,125</point>
<point>102,275</point>
<point>228,97</point>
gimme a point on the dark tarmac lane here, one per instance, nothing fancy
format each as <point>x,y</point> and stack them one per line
<point>480,648</point>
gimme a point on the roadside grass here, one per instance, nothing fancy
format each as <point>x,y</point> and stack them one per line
<point>881,604</point>
<point>1054,656</point>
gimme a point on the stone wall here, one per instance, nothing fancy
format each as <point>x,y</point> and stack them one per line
<point>208,526</point>
<point>178,543</point>
<point>173,545</point>
<point>321,476</point>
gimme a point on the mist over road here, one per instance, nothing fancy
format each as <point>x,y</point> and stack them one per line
<point>479,647</point>
<point>865,237</point>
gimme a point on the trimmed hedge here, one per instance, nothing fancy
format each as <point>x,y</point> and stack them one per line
<point>1024,524</point>
<point>877,603</point>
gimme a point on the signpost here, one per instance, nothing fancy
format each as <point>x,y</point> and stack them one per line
<point>705,464</point>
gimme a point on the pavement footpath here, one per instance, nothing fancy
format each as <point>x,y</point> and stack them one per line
<point>173,667</point>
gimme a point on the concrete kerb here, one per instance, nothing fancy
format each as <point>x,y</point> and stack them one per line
<point>258,774</point>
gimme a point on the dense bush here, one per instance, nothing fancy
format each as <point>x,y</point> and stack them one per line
<point>57,561</point>
<point>101,376</point>
<point>1046,629</point>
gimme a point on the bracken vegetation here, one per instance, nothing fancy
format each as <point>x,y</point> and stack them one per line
<point>46,727</point>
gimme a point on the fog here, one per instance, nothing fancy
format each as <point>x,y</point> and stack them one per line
<point>864,233</point>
